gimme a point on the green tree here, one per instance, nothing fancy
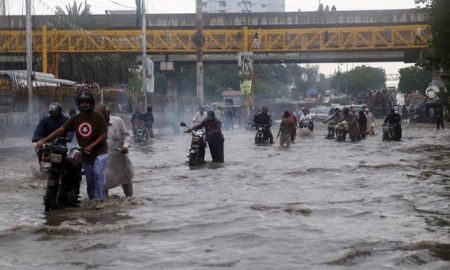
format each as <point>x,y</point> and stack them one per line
<point>105,69</point>
<point>414,78</point>
<point>73,16</point>
<point>359,79</point>
<point>437,54</point>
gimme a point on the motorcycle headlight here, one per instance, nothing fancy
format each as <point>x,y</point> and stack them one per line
<point>56,158</point>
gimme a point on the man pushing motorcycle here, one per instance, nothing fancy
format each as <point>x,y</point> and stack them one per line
<point>91,131</point>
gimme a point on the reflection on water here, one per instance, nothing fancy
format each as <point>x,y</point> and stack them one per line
<point>317,205</point>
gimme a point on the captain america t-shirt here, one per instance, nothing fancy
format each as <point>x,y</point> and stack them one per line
<point>88,127</point>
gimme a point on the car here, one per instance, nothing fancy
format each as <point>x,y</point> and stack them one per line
<point>357,107</point>
<point>320,113</point>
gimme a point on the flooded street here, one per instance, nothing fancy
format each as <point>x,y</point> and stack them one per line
<point>318,205</point>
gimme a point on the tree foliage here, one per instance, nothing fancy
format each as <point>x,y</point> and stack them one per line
<point>414,78</point>
<point>359,79</point>
<point>270,80</point>
<point>73,15</point>
<point>105,69</point>
<point>438,52</point>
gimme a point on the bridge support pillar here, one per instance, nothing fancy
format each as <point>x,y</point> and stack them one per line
<point>44,50</point>
<point>172,92</point>
<point>55,65</point>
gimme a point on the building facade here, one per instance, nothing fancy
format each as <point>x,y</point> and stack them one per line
<point>243,6</point>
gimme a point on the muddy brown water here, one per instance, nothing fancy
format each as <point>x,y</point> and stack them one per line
<point>318,205</point>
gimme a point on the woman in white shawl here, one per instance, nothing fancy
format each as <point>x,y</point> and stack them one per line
<point>370,122</point>
<point>119,170</point>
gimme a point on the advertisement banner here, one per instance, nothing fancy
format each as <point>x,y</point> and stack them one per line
<point>246,87</point>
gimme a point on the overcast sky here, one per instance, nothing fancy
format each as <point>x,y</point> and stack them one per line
<point>187,6</point>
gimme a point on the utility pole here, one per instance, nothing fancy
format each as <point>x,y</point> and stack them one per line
<point>29,57</point>
<point>2,8</point>
<point>144,53</point>
<point>199,38</point>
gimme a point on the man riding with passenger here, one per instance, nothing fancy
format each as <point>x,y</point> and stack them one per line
<point>394,120</point>
<point>264,119</point>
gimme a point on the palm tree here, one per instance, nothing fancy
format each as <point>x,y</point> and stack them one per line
<point>74,16</point>
<point>105,69</point>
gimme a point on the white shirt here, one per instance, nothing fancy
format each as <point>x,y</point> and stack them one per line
<point>118,135</point>
<point>199,117</point>
<point>305,117</point>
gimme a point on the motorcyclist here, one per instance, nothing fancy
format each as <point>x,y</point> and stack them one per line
<point>91,131</point>
<point>333,119</point>
<point>50,123</point>
<point>199,116</point>
<point>214,136</point>
<point>353,129</point>
<point>149,119</point>
<point>394,120</point>
<point>264,119</point>
<point>135,118</point>
<point>306,120</point>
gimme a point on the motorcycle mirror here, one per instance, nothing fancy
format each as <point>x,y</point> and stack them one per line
<point>183,124</point>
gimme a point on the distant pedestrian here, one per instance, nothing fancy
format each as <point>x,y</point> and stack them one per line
<point>439,116</point>
<point>294,127</point>
<point>149,120</point>
<point>284,133</point>
<point>362,122</point>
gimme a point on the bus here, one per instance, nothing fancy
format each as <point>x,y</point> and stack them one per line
<point>13,85</point>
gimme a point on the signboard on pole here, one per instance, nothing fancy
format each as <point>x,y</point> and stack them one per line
<point>245,61</point>
<point>150,74</point>
<point>246,87</point>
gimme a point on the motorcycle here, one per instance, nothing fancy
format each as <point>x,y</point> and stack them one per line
<point>306,123</point>
<point>305,128</point>
<point>261,134</point>
<point>197,149</point>
<point>389,132</point>
<point>331,131</point>
<point>64,168</point>
<point>341,131</point>
<point>140,132</point>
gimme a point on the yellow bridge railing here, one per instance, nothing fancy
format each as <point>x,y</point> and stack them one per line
<point>216,41</point>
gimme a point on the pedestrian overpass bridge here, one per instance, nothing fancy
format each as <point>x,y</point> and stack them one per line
<point>339,36</point>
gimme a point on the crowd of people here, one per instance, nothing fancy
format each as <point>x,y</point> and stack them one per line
<point>104,140</point>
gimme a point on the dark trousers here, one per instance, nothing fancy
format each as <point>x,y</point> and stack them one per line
<point>397,133</point>
<point>128,189</point>
<point>440,122</point>
<point>216,149</point>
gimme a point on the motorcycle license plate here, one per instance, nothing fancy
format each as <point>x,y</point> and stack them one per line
<point>55,158</point>
<point>45,167</point>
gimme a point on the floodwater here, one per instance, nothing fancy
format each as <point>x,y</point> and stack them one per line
<point>318,205</point>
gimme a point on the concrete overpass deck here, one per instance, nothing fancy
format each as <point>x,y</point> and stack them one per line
<point>310,19</point>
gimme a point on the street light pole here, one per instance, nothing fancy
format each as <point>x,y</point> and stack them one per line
<point>200,91</point>
<point>144,53</point>
<point>29,57</point>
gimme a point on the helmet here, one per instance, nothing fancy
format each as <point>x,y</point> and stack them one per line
<point>87,97</point>
<point>55,107</point>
